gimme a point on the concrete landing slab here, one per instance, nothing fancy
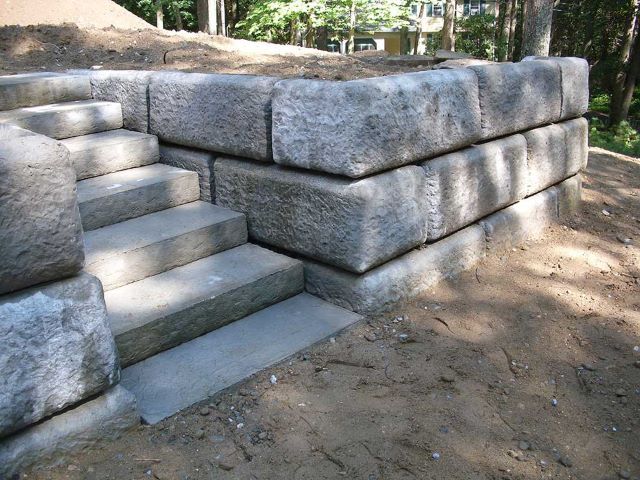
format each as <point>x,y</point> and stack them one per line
<point>182,376</point>
<point>30,89</point>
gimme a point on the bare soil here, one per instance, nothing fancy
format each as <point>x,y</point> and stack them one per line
<point>476,382</point>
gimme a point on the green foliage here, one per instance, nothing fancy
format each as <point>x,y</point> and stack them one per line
<point>622,138</point>
<point>600,103</point>
<point>476,35</point>
<point>146,9</point>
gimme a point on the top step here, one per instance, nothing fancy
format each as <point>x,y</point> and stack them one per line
<point>34,89</point>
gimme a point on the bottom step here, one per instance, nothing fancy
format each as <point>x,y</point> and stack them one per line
<point>193,371</point>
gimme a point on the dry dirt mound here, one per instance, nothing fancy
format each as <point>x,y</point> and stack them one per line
<point>84,13</point>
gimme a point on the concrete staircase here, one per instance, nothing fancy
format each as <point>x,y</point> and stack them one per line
<point>177,272</point>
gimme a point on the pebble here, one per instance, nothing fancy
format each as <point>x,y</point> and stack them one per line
<point>273,379</point>
<point>637,363</point>
<point>523,445</point>
<point>435,456</point>
<point>624,474</point>
<point>447,378</point>
<point>204,411</point>
<point>403,337</point>
<point>624,240</point>
<point>606,213</point>
<point>621,392</point>
<point>554,402</point>
<point>263,435</point>
<point>566,461</point>
<point>332,340</point>
<point>370,337</point>
<point>589,366</point>
<point>200,434</point>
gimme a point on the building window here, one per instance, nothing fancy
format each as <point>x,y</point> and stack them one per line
<point>414,9</point>
<point>474,7</point>
<point>437,9</point>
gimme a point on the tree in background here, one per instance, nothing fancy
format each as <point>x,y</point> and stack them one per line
<point>448,32</point>
<point>629,68</point>
<point>176,14</point>
<point>536,35</point>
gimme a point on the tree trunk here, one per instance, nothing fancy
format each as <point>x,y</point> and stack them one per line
<point>207,17</point>
<point>159,15</point>
<point>513,23</point>
<point>625,81</point>
<point>419,23</point>
<point>223,19</point>
<point>176,13</point>
<point>351,45</point>
<point>448,35</point>
<point>536,35</point>
<point>505,31</point>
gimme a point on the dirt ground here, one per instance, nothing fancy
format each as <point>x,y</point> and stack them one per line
<point>527,367</point>
<point>26,49</point>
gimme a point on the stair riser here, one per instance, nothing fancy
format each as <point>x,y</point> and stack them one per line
<point>43,91</point>
<point>173,252</point>
<point>136,202</point>
<point>115,157</point>
<point>73,123</point>
<point>210,314</point>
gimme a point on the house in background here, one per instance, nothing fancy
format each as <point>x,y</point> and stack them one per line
<point>399,41</point>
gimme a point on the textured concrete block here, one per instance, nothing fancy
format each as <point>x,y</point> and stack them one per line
<point>11,131</point>
<point>575,84</point>
<point>55,440</point>
<point>466,185</point>
<point>402,278</point>
<point>107,152</point>
<point>57,349</point>
<point>556,152</point>
<point>518,96</point>
<point>361,127</point>
<point>129,88</point>
<point>31,89</point>
<point>199,161</point>
<point>177,378</point>
<point>41,234</point>
<point>353,224</point>
<point>526,220</point>
<point>569,196</point>
<point>64,120</point>
<point>223,113</point>
<point>176,306</point>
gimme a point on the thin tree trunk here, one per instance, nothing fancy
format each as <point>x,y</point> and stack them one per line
<point>419,23</point>
<point>448,35</point>
<point>159,15</point>
<point>223,19</point>
<point>505,32</point>
<point>536,37</point>
<point>351,45</point>
<point>513,23</point>
<point>625,81</point>
<point>207,16</point>
<point>176,13</point>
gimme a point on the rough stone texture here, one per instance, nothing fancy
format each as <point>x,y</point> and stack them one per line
<point>569,196</point>
<point>199,161</point>
<point>64,120</point>
<point>31,89</point>
<point>107,152</point>
<point>518,96</point>
<point>182,376</point>
<point>575,84</point>
<point>41,233</point>
<point>157,242</point>
<point>526,220</point>
<point>223,113</point>
<point>57,349</point>
<point>466,185</point>
<point>55,440</point>
<point>353,224</point>
<point>359,127</point>
<point>402,278</point>
<point>162,311</point>
<point>556,152</point>
<point>129,88</point>
<point>11,131</point>
<point>132,193</point>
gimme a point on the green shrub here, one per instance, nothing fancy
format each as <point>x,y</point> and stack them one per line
<point>622,139</point>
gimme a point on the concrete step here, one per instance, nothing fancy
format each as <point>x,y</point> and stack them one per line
<point>132,193</point>
<point>107,152</point>
<point>42,88</point>
<point>64,120</point>
<point>171,308</point>
<point>193,371</point>
<point>145,246</point>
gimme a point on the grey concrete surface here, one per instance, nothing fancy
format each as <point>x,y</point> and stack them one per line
<point>32,89</point>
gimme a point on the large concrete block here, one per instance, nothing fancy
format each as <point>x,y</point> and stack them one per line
<point>526,220</point>
<point>57,349</point>
<point>402,278</point>
<point>129,88</point>
<point>199,161</point>
<point>575,84</point>
<point>466,185</point>
<point>41,234</point>
<point>556,152</point>
<point>518,96</point>
<point>353,224</point>
<point>31,89</point>
<point>55,440</point>
<point>360,127</point>
<point>11,131</point>
<point>223,113</point>
<point>569,196</point>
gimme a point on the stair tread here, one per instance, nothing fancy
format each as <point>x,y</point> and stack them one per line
<point>41,88</point>
<point>139,303</point>
<point>116,182</point>
<point>177,378</point>
<point>110,137</point>
<point>112,240</point>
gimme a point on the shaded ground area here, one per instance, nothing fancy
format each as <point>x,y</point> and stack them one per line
<point>474,381</point>
<point>25,49</point>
